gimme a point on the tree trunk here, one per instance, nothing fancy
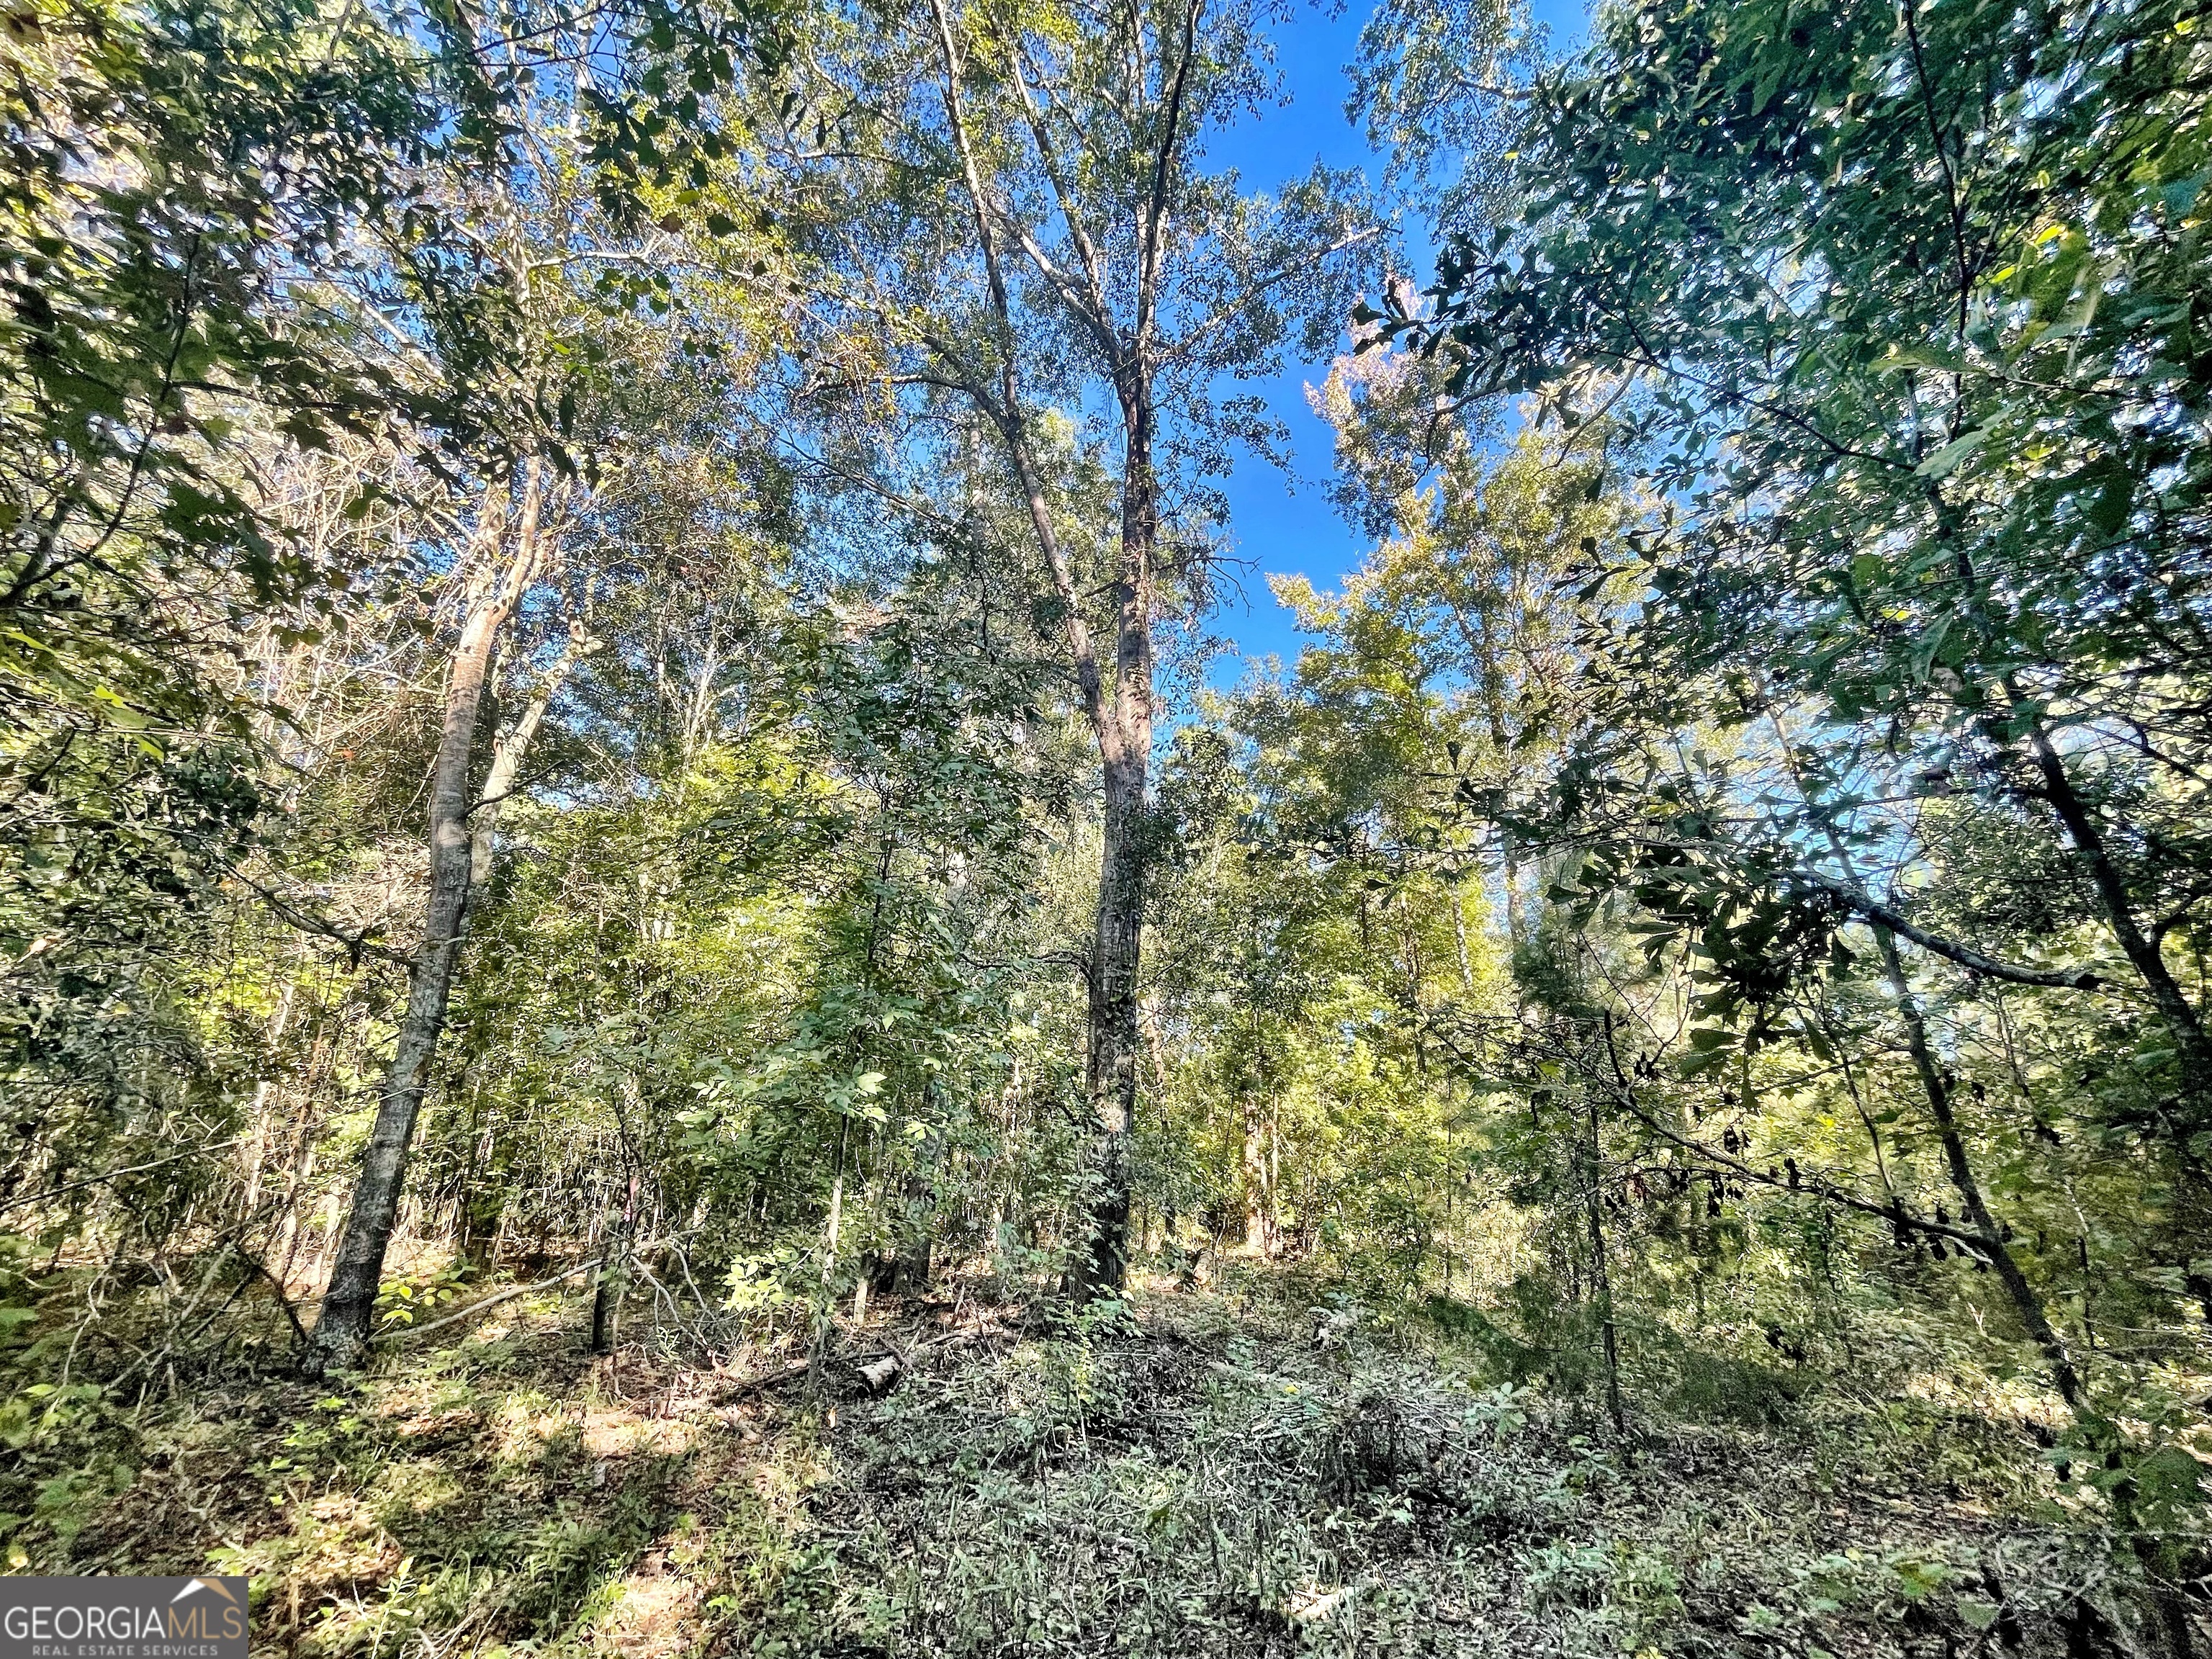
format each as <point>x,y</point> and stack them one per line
<point>1991,1237</point>
<point>508,755</point>
<point>1255,1178</point>
<point>917,1248</point>
<point>482,1208</point>
<point>1601,1277</point>
<point>905,1270</point>
<point>614,1262</point>
<point>1114,1045</point>
<point>350,1302</point>
<point>2142,952</point>
<point>832,1232</point>
<point>1120,715</point>
<point>1126,753</point>
<point>1274,1178</point>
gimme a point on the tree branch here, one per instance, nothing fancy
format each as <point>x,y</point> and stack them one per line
<point>1869,908</point>
<point>1163,173</point>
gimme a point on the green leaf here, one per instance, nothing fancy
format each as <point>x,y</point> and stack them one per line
<point>1917,1579</point>
<point>1978,1615</point>
<point>1947,458</point>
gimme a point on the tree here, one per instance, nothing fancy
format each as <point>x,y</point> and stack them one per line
<point>1900,300</point>
<point>1468,596</point>
<point>558,236</point>
<point>1890,310</point>
<point>176,325</point>
<point>1021,215</point>
<point>500,566</point>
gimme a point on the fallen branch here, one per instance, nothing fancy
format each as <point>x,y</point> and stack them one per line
<point>494,1300</point>
<point>761,1384</point>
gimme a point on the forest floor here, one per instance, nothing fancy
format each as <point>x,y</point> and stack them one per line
<point>1215,1474</point>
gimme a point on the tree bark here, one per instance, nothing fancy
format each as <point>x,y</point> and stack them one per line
<point>350,1302</point>
<point>1127,751</point>
<point>1114,1045</point>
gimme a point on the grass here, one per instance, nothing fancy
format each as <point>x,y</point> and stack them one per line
<point>1233,1473</point>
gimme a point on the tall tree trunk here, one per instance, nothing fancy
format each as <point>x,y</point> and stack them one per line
<point>1114,1046</point>
<point>508,755</point>
<point>482,1206</point>
<point>1126,747</point>
<point>350,1302</point>
<point>1120,715</point>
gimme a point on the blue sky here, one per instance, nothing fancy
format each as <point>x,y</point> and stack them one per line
<point>1283,523</point>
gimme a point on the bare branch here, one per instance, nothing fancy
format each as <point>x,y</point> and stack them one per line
<point>1252,290</point>
<point>1163,174</point>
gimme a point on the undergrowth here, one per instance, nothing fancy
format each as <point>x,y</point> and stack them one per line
<point>1223,1474</point>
